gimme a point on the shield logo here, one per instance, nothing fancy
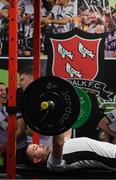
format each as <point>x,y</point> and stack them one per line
<point>75,57</point>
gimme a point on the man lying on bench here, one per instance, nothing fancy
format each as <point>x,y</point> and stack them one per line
<point>74,153</point>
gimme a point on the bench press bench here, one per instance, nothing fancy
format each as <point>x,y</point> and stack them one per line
<point>24,172</point>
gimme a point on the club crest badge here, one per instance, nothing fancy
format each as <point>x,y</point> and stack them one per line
<point>79,58</point>
<point>75,57</point>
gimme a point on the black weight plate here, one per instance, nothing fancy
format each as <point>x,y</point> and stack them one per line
<point>66,105</point>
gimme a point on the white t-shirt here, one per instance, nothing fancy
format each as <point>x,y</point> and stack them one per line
<point>59,12</point>
<point>1,5</point>
<point>29,9</point>
<point>84,152</point>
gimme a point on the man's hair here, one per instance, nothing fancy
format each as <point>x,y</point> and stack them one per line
<point>26,159</point>
<point>28,70</point>
<point>1,83</point>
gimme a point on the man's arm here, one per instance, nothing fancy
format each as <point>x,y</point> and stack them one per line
<point>63,21</point>
<point>20,127</point>
<point>58,143</point>
<point>28,131</point>
<point>68,134</point>
<point>104,125</point>
<point>55,160</point>
<point>57,147</point>
<point>45,20</point>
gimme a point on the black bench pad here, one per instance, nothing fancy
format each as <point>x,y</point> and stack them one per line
<point>44,173</point>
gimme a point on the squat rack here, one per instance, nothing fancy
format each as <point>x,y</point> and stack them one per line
<point>12,77</point>
<point>12,84</point>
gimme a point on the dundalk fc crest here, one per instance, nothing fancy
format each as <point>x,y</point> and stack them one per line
<point>75,57</point>
<point>79,58</point>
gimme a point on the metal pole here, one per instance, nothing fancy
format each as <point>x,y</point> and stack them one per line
<point>12,85</point>
<point>36,50</point>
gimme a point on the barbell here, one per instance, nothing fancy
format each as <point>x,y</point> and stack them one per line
<point>50,105</point>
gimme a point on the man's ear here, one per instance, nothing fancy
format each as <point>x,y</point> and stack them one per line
<point>36,160</point>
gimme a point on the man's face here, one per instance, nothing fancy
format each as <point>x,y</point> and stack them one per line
<point>20,11</point>
<point>3,94</point>
<point>5,13</point>
<point>114,15</point>
<point>38,153</point>
<point>25,80</point>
